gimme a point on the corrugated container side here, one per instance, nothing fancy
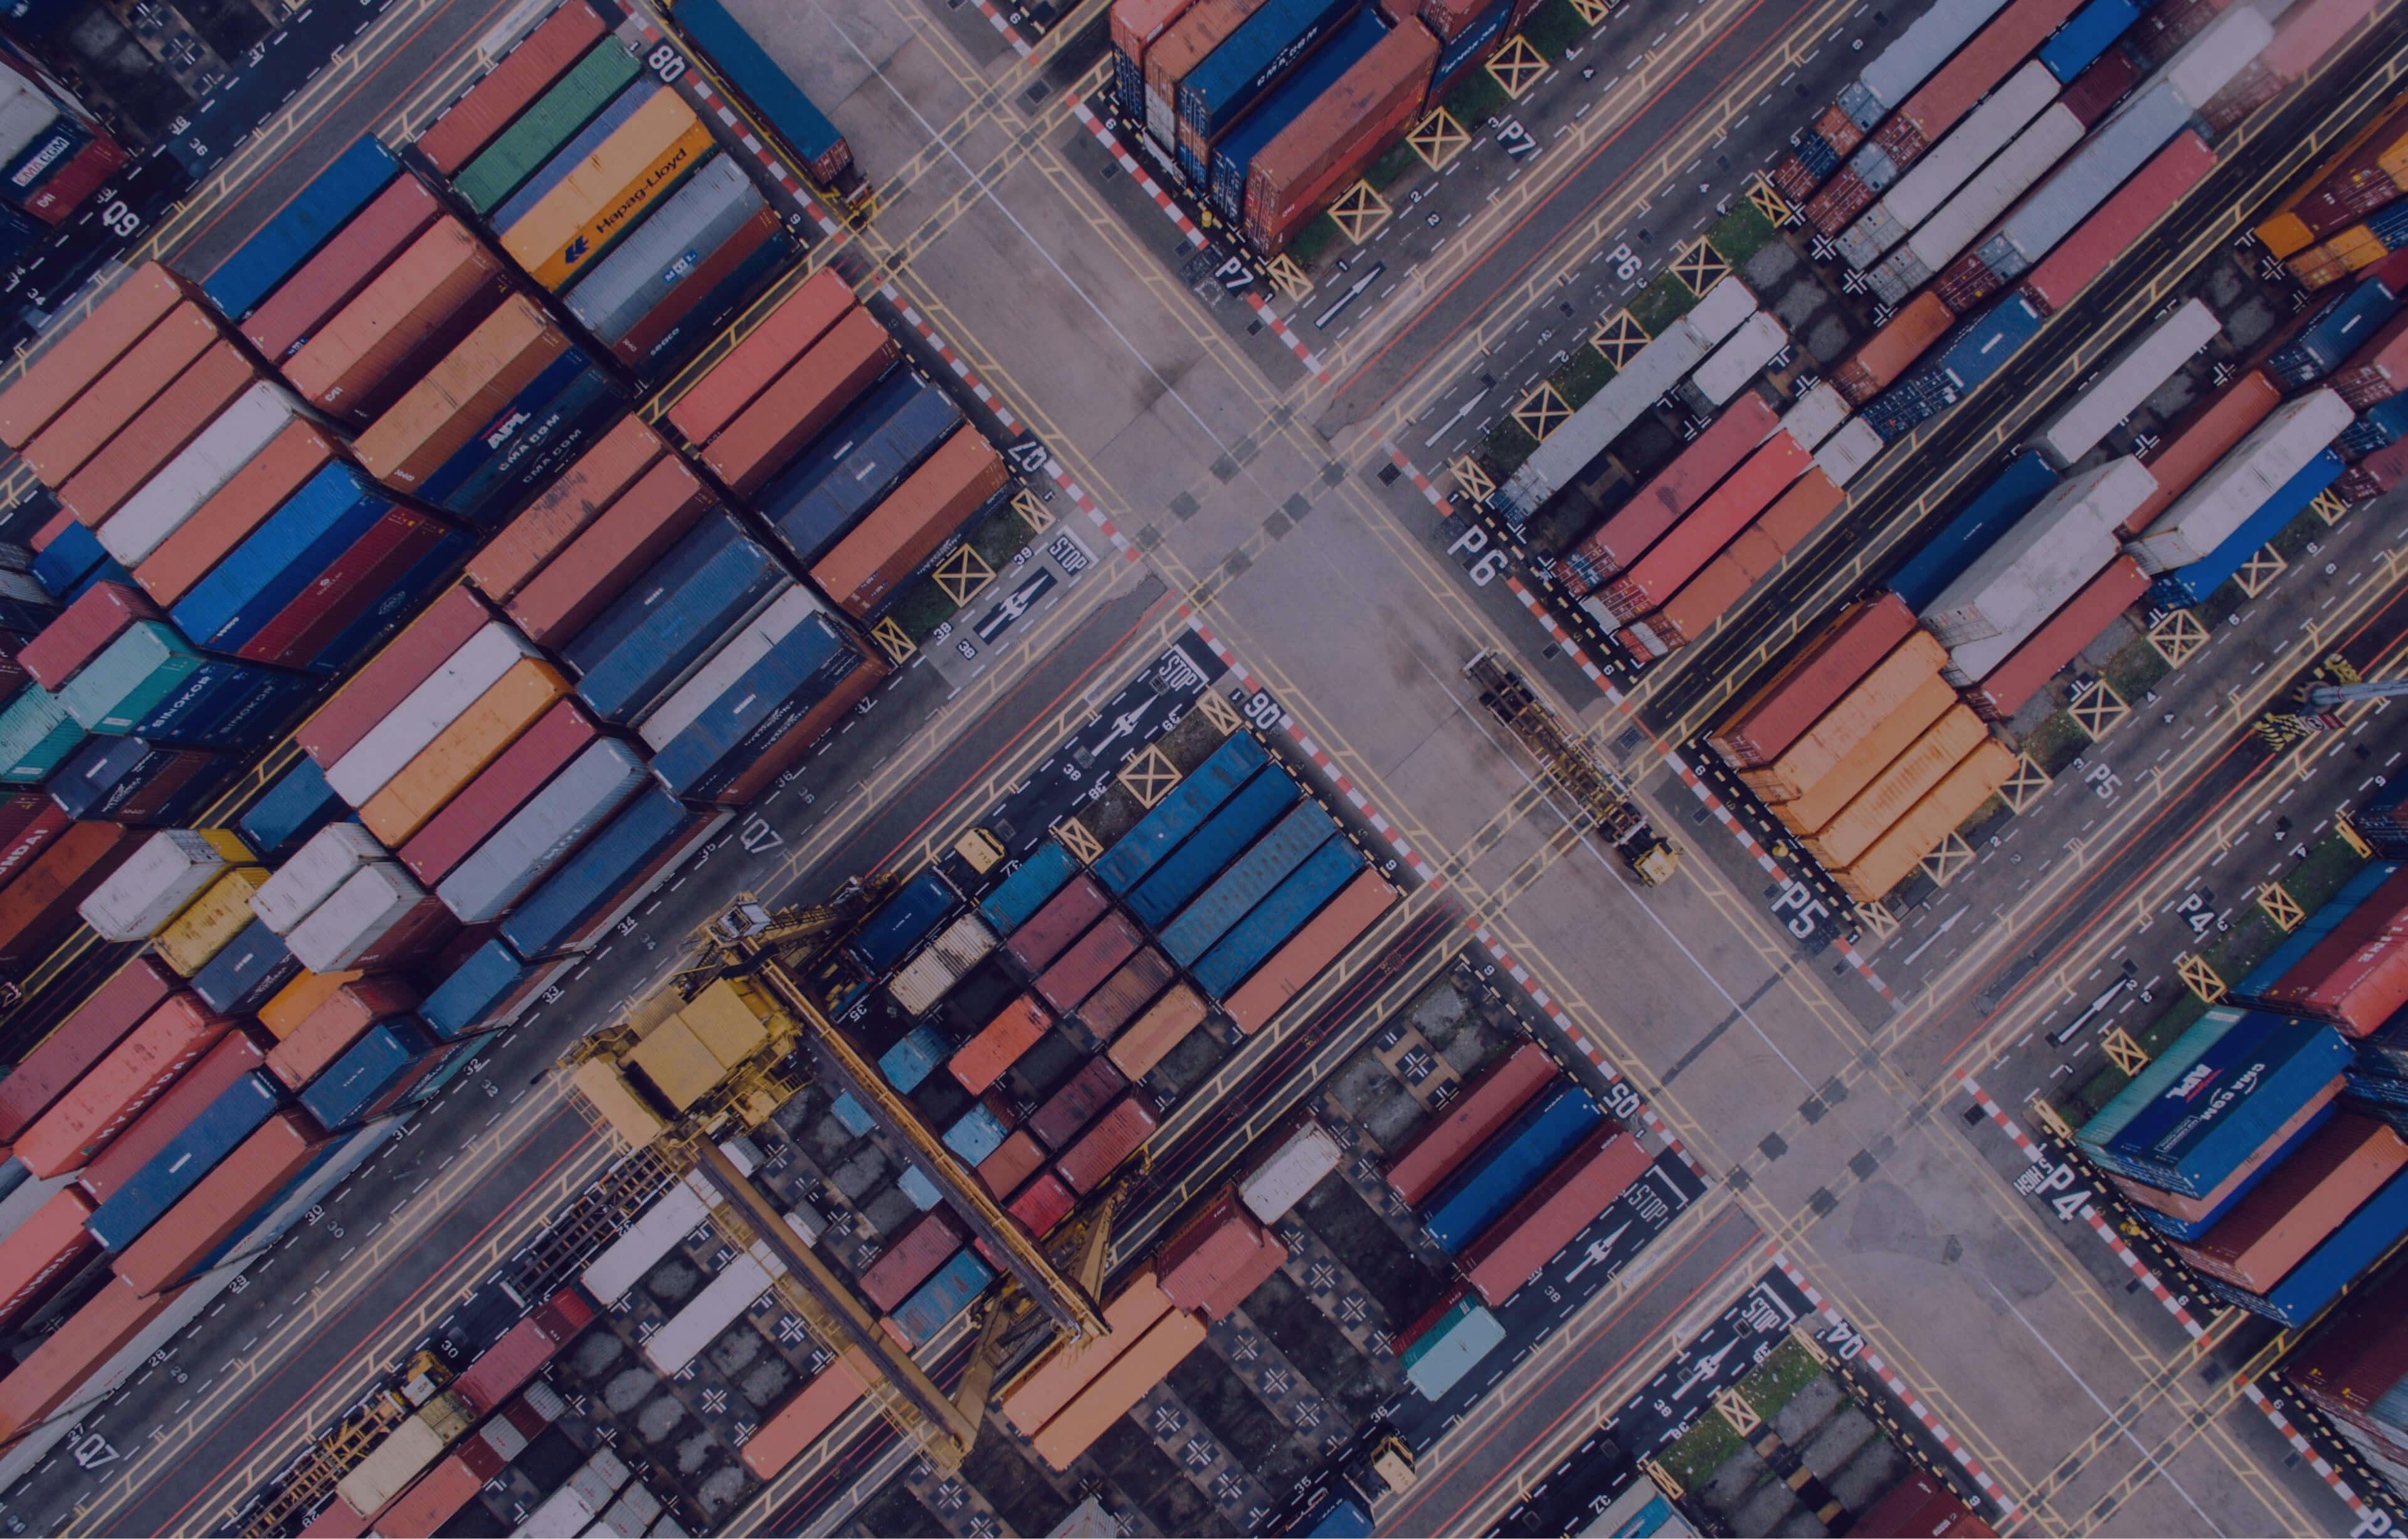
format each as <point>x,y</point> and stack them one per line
<point>85,352</point>
<point>634,532</point>
<point>471,122</point>
<point>1901,850</point>
<point>330,279</point>
<point>801,401</point>
<point>1494,1097</point>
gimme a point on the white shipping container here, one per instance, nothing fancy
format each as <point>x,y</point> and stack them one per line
<point>23,120</point>
<point>2044,558</point>
<point>1818,415</point>
<point>923,981</point>
<point>2125,383</point>
<point>571,805</point>
<point>965,942</point>
<point>1719,312</point>
<point>502,1435</point>
<point>2203,66</point>
<point>638,1503</point>
<point>1936,241</point>
<point>2104,162</point>
<point>140,897</point>
<point>1848,450</point>
<point>1293,1169</point>
<point>722,1300</point>
<point>390,1467</point>
<point>426,710</point>
<point>563,1516</point>
<point>1951,163</point>
<point>313,873</point>
<point>666,1528</point>
<point>1924,47</point>
<point>544,1400</point>
<point>192,478</point>
<point>1566,451</point>
<point>362,910</point>
<point>742,647</point>
<point>2239,485</point>
<point>599,1477</point>
<point>623,1263</point>
<point>1741,358</point>
<point>27,1196</point>
<point>1969,664</point>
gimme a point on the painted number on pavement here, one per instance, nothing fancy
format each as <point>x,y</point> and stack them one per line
<point>1471,547</point>
<point>2057,1182</point>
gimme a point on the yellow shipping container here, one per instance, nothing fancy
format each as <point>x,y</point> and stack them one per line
<point>293,1004</point>
<point>1873,753</point>
<point>461,751</point>
<point>211,921</point>
<point>1860,711</point>
<point>648,153</point>
<point>2358,248</point>
<point>1895,856</point>
<point>1895,790</point>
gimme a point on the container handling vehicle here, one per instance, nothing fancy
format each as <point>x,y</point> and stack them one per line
<point>1575,769</point>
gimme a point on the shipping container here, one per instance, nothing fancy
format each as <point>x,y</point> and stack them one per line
<point>1949,165</point>
<point>522,74</point>
<point>372,1075</point>
<point>1884,356</point>
<point>81,429</point>
<point>1328,143</point>
<point>2222,498</point>
<point>1899,852</point>
<point>313,873</point>
<point>378,917</point>
<point>905,920</point>
<point>540,135</point>
<point>297,456</point>
<point>543,833</point>
<point>1242,819</point>
<point>152,884</point>
<point>229,609</point>
<point>1029,884</point>
<point>645,644</point>
<point>529,541</point>
<point>864,571</point>
<point>527,691</point>
<point>577,151</point>
<point>36,1256</point>
<point>38,908</point>
<point>235,1054</point>
<point>94,1346</point>
<point>300,228</point>
<point>783,336</point>
<point>985,1058</point>
<point>1862,759</point>
<point>706,292</point>
<point>1250,943</point>
<point>159,433</point>
<point>1247,881</point>
<point>2043,560</point>
<point>333,278</point>
<point>804,1419</point>
<point>1109,1395</point>
<point>449,415</point>
<point>1783,708</point>
<point>1061,920</point>
<point>1319,942</point>
<point>2299,1205</point>
<point>2127,382</point>
<point>639,529</point>
<point>488,990</point>
<point>1565,454</point>
<point>1201,29</point>
<point>770,91</point>
<point>1867,706</point>
<point>1669,495</point>
<point>1087,962</point>
<point>120,1087</point>
<point>1117,1001</point>
<point>1163,1027</point>
<point>605,195</point>
<point>84,352</point>
<point>1983,198</point>
<point>503,1369</point>
<point>757,729</point>
<point>2199,437</point>
<point>191,1154</point>
<point>1488,1102</point>
<point>700,217</point>
<point>413,722</point>
<point>2192,585</point>
<point>1285,1176</point>
<point>1706,529</point>
<point>243,1184</point>
<point>1317,72</point>
<point>1441,1356</point>
<point>1037,1395</point>
<point>1507,1165</point>
<point>1179,813</point>
<point>2352,1247</point>
<point>54,1066</point>
<point>1567,1200</point>
<point>631,850</point>
<point>410,314</point>
<point>329,1029</point>
<point>1216,1247</point>
<point>909,1261</point>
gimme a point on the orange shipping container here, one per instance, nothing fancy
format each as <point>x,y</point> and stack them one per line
<point>321,1037</point>
<point>1909,778</point>
<point>1897,854</point>
<point>1874,366</point>
<point>292,1004</point>
<point>84,352</point>
<point>1162,1027</point>
<point>1014,1031</point>
<point>437,417</point>
<point>805,399</point>
<point>75,1351</point>
<point>513,556</point>
<point>633,532</point>
<point>863,569</point>
<point>410,314</point>
<point>2199,437</point>
<point>1866,757</point>
<point>114,1091</point>
<point>234,510</point>
<point>474,740</point>
<point>1780,709</point>
<point>1855,713</point>
<point>147,368</point>
<point>39,906</point>
<point>805,1418</point>
<point>223,1201</point>
<point>36,1253</point>
<point>1040,1393</point>
<point>801,320</point>
<point>661,130</point>
<point>1118,1388</point>
<point>1308,951</point>
<point>159,434</point>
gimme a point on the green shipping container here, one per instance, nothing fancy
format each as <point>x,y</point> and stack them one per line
<point>128,680</point>
<point>543,128</point>
<point>36,735</point>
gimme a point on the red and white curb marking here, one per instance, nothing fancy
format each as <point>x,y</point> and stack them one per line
<point>2370,1520</point>
<point>777,168</point>
<point>1570,648</point>
<point>1195,236</point>
<point>2008,1511</point>
<point>1010,34</point>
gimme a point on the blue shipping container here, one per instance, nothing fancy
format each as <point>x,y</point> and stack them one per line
<point>62,566</point>
<point>1264,48</point>
<point>104,775</point>
<point>911,1059</point>
<point>2311,931</point>
<point>381,619</point>
<point>1471,47</point>
<point>903,921</point>
<point>1508,1165</point>
<point>2230,1104</point>
<point>496,432</point>
<point>1174,883</point>
<point>1981,347</point>
<point>714,533</point>
<point>290,811</point>
<point>934,1304</point>
<point>1236,891</point>
<point>2189,1229</point>
<point>1277,917</point>
<point>2377,426</point>
<point>315,213</point>
<point>287,553</point>
<point>2186,585</point>
<point>746,65</point>
<point>799,671</point>
<point>2340,324</point>
<point>183,1160</point>
<point>1034,880</point>
<point>350,1090</point>
<point>975,1134</point>
<point>2152,1081</point>
<point>469,999</point>
<point>227,704</point>
<point>2071,47</point>
<point>534,449</point>
<point>2014,492</point>
<point>594,880</point>
<point>2345,1255</point>
<point>253,967</point>
<point>1178,814</point>
<point>683,624</point>
<point>1234,156</point>
<point>860,458</point>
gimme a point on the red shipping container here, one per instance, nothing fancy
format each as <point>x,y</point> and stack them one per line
<point>802,1420</point>
<point>520,551</point>
<point>1326,146</point>
<point>1116,1003</point>
<point>864,569</point>
<point>89,1031</point>
<point>2190,444</point>
<point>633,532</point>
<point>19,812</point>
<point>661,332</point>
<point>80,1346</point>
<point>36,1255</point>
<point>1040,1206</point>
<point>337,1521</point>
<point>240,1184</point>
<point>38,908</point>
<point>2298,1204</point>
<point>1713,523</point>
<point>906,1263</point>
<point>84,352</point>
<point>1117,1134</point>
<point>1136,24</point>
<point>78,633</point>
<point>1217,1246</point>
<point>1324,938</point>
<point>1069,1109</point>
<point>1235,1290</point>
<point>2355,992</point>
<point>409,660</point>
<point>2373,373</point>
<point>30,839</point>
<point>343,267</point>
<point>1079,970</point>
<point>792,410</point>
<point>1955,87</point>
<point>500,789</point>
<point>353,583</point>
<point>439,1493</point>
<point>235,510</point>
<point>159,434</point>
<point>985,1058</point>
<point>1750,558</point>
<point>1064,918</point>
<point>1999,694</point>
<point>136,1072</point>
<point>2096,91</point>
<point>2117,225</point>
<point>1836,205</point>
<point>410,314</point>
<point>1680,486</point>
<point>334,1025</point>
<point>1487,1104</point>
<point>504,1368</point>
<point>783,336</point>
<point>524,73</point>
<point>1003,1171</point>
<point>1885,355</point>
<point>1781,709</point>
<point>236,1054</point>
<point>131,382</point>
<point>1567,1200</point>
<point>1965,282</point>
<point>78,180</point>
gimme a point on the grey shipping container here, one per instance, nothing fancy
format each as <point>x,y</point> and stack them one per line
<point>2096,169</point>
<point>539,835</point>
<point>676,618</point>
<point>1923,48</point>
<point>1603,418</point>
<point>695,221</point>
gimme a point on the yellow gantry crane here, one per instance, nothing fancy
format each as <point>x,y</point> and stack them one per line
<point>1575,769</point>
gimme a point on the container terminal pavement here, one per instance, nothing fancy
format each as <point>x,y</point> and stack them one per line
<point>402,611</point>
